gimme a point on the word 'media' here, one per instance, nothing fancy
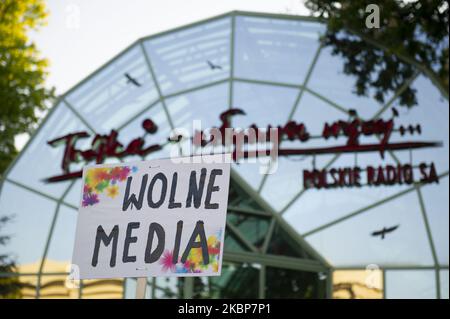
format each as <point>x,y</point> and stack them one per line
<point>151,253</point>
<point>369,176</point>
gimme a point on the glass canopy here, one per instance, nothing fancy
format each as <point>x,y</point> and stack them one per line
<point>282,240</point>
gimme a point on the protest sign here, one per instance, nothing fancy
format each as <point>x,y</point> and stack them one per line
<point>152,218</point>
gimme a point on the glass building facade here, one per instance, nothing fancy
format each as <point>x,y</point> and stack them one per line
<point>282,240</point>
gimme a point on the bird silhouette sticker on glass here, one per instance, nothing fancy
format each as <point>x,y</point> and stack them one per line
<point>382,232</point>
<point>132,80</point>
<point>214,66</point>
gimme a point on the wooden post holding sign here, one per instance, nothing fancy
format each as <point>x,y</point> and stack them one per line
<point>153,218</point>
<point>141,286</point>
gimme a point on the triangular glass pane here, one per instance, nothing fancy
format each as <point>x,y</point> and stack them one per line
<point>116,92</point>
<point>262,104</point>
<point>353,243</point>
<point>251,172</point>
<point>329,80</point>
<point>399,284</point>
<point>232,244</point>
<point>191,57</point>
<point>432,114</point>
<point>28,229</point>
<point>287,179</point>
<point>59,254</point>
<point>320,206</point>
<point>203,105</point>
<point>314,113</point>
<point>275,50</point>
<point>437,209</point>
<point>73,197</point>
<point>40,161</point>
<point>443,275</point>
<point>238,196</point>
<point>252,228</point>
<point>135,129</point>
<point>283,244</point>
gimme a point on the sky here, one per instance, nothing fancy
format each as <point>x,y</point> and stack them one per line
<point>82,35</point>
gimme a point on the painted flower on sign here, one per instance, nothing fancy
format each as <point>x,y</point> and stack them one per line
<point>194,262</point>
<point>112,191</point>
<point>166,261</point>
<point>100,180</point>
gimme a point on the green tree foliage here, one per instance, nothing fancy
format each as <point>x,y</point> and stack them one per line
<point>23,97</point>
<point>9,286</point>
<point>22,73</point>
<point>413,34</point>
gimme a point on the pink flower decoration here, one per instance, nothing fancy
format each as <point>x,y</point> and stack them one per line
<point>166,261</point>
<point>124,172</point>
<point>90,199</point>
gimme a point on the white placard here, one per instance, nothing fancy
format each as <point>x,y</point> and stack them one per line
<point>152,218</point>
